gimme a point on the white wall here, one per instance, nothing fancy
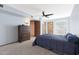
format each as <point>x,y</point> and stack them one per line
<point>74,20</point>
<point>8,25</point>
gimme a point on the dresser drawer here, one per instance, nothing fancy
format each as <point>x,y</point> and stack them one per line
<point>23,33</point>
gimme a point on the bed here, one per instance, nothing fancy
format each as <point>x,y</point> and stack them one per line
<point>59,43</point>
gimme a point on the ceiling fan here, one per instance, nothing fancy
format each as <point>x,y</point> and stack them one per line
<point>1,5</point>
<point>46,15</point>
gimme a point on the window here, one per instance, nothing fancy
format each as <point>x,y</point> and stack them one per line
<point>60,27</point>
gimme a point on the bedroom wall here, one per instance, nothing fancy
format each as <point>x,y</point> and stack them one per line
<point>74,20</point>
<point>9,20</point>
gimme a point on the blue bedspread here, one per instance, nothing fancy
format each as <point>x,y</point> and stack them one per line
<point>47,40</point>
<point>57,42</point>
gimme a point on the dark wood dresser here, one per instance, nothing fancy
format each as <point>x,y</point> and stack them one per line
<point>23,33</point>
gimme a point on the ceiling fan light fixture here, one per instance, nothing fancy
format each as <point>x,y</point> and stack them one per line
<point>46,15</point>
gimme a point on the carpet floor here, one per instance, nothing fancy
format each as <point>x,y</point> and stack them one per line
<point>24,48</point>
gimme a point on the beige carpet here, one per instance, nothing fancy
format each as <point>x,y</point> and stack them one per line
<point>24,48</point>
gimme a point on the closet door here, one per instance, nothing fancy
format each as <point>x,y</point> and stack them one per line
<point>50,27</point>
<point>37,28</point>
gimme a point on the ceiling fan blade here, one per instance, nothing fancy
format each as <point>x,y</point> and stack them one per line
<point>48,14</point>
<point>1,5</point>
<point>43,13</point>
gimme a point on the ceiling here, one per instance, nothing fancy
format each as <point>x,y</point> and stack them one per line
<point>59,10</point>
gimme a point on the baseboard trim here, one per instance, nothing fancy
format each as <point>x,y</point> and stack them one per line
<point>8,44</point>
